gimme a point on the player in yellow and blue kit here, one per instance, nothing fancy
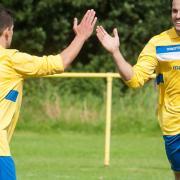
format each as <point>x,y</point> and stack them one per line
<point>161,55</point>
<point>16,66</point>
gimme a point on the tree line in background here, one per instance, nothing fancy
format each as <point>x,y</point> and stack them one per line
<point>45,27</point>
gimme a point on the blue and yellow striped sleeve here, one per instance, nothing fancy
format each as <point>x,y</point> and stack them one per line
<point>28,65</point>
<point>145,66</point>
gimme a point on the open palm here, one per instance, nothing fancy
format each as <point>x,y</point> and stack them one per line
<point>86,26</point>
<point>110,43</point>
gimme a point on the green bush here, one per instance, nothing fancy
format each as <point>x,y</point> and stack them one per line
<point>49,108</point>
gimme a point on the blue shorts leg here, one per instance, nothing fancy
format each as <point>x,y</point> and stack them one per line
<point>172,145</point>
<point>7,168</point>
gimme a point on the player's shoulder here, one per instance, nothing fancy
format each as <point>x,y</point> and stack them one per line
<point>8,52</point>
<point>164,36</point>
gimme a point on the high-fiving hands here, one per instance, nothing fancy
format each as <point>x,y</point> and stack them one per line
<point>83,31</point>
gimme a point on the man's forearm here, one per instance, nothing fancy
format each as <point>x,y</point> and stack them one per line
<point>70,53</point>
<point>124,68</point>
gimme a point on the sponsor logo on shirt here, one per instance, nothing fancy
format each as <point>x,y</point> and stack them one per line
<point>176,67</point>
<point>168,53</point>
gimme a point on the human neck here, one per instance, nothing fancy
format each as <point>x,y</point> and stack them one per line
<point>2,42</point>
<point>178,32</point>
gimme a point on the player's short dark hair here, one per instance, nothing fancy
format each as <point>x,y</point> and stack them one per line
<point>6,18</point>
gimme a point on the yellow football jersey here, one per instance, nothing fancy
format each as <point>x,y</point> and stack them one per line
<point>14,68</point>
<point>162,55</point>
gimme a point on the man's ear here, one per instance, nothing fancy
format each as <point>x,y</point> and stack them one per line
<point>6,33</point>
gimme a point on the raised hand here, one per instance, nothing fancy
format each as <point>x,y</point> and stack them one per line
<point>110,43</point>
<point>86,26</point>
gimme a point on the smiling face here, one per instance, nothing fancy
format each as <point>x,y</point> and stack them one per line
<point>176,15</point>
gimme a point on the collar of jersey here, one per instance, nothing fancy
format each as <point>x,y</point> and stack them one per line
<point>173,34</point>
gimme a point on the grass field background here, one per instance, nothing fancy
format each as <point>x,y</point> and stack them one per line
<point>79,156</point>
<point>60,135</point>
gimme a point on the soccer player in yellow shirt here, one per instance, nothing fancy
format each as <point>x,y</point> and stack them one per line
<point>15,66</point>
<point>162,56</point>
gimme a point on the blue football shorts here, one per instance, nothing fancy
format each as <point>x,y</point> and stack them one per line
<point>172,145</point>
<point>7,168</point>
